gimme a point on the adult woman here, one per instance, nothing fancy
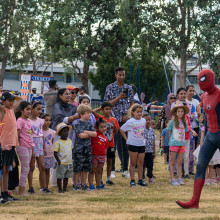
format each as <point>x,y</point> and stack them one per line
<point>63,111</point>
<point>165,112</point>
<point>73,98</point>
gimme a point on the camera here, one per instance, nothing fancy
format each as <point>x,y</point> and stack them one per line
<point>125,91</point>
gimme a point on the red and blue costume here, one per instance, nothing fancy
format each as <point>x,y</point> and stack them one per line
<point>211,104</point>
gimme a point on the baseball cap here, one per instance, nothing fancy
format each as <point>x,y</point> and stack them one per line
<point>9,96</point>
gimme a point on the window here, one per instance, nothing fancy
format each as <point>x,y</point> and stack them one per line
<point>59,77</point>
<point>12,76</point>
<point>68,79</point>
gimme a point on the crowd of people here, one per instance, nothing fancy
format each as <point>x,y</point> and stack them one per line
<point>73,141</point>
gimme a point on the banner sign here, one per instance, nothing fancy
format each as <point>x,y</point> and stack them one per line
<point>25,86</point>
<point>41,78</point>
<point>38,98</point>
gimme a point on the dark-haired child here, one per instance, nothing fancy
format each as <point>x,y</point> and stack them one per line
<point>49,134</point>
<point>39,148</point>
<point>82,156</point>
<point>99,146</point>
<point>9,140</point>
<point>165,142</point>
<point>26,144</point>
<point>112,129</point>
<point>63,154</point>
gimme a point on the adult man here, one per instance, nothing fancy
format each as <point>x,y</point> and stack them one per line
<point>50,96</point>
<point>211,104</point>
<point>82,92</point>
<point>121,97</point>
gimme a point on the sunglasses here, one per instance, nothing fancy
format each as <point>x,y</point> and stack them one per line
<point>74,92</point>
<point>172,97</point>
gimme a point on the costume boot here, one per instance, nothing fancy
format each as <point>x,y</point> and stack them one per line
<point>194,202</point>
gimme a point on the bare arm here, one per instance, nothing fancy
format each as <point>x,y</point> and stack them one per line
<point>202,138</point>
<point>91,133</point>
<point>123,134</point>
<point>115,127</point>
<point>57,158</point>
<point>121,96</point>
<point>72,118</point>
<point>19,131</point>
<point>154,149</point>
<point>83,135</point>
<point>16,104</point>
<point>94,111</point>
<point>198,109</point>
<point>170,134</point>
<point>2,112</point>
<point>162,138</point>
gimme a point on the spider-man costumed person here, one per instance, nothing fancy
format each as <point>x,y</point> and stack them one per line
<point>211,104</point>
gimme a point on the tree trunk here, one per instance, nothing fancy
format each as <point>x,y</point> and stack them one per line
<point>183,76</point>
<point>84,77</point>
<point>2,73</point>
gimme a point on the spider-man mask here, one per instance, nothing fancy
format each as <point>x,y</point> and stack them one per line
<point>206,80</point>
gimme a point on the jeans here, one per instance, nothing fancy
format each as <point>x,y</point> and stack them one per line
<point>208,148</point>
<point>122,150</point>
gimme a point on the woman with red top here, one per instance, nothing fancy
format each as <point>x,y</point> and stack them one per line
<point>99,147</point>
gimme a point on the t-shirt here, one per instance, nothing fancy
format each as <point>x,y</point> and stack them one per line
<point>37,127</point>
<point>165,134</point>
<point>99,144</point>
<point>64,149</point>
<point>178,134</point>
<point>80,127</point>
<point>135,129</point>
<point>8,130</point>
<point>110,129</point>
<point>195,103</point>
<point>48,138</point>
<point>149,136</point>
<point>26,138</point>
<point>187,134</point>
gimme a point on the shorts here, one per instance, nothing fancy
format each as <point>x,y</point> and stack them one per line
<point>64,171</point>
<point>166,149</point>
<point>178,149</point>
<point>98,161</point>
<point>38,146</point>
<point>8,157</point>
<point>82,160</point>
<point>136,149</point>
<point>49,162</point>
<point>111,152</point>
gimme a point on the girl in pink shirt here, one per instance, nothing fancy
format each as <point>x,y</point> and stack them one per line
<point>49,134</point>
<point>39,148</point>
<point>26,144</point>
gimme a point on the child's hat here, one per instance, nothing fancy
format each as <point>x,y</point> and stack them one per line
<point>61,126</point>
<point>9,96</point>
<point>179,104</point>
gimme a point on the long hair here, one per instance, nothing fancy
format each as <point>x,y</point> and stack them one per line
<point>133,108</point>
<point>22,106</point>
<point>176,120</point>
<point>60,92</point>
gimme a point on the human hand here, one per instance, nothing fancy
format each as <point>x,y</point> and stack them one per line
<point>194,134</point>
<point>122,96</point>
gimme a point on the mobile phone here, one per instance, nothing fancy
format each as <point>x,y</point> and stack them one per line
<point>125,91</point>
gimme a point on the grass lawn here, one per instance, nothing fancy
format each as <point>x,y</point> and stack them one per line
<point>118,202</point>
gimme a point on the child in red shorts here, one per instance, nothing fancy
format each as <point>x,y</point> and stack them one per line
<point>99,146</point>
<point>177,129</point>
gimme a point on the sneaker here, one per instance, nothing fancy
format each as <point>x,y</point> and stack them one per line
<point>143,178</point>
<point>113,174</point>
<point>126,174</point>
<point>191,173</point>
<point>180,181</point>
<point>174,182</point>
<point>132,183</point>
<point>65,190</point>
<point>10,198</point>
<point>212,181</point>
<point>76,188</point>
<point>166,162</point>
<point>46,190</point>
<point>151,180</point>
<point>42,191</point>
<point>85,187</point>
<point>102,187</point>
<point>187,177</point>
<point>31,190</point>
<point>141,183</point>
<point>3,201</point>
<point>92,187</point>
<point>109,182</point>
<point>207,182</point>
<point>60,191</point>
<point>217,178</point>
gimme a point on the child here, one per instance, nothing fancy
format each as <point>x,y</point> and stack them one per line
<point>63,154</point>
<point>135,141</point>
<point>150,153</point>
<point>49,134</point>
<point>26,144</point>
<point>84,130</point>
<point>9,140</point>
<point>153,124</point>
<point>99,146</point>
<point>112,129</point>
<point>39,148</point>
<point>177,128</point>
<point>165,142</point>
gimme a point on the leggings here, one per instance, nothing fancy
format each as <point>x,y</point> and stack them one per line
<point>24,154</point>
<point>209,146</point>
